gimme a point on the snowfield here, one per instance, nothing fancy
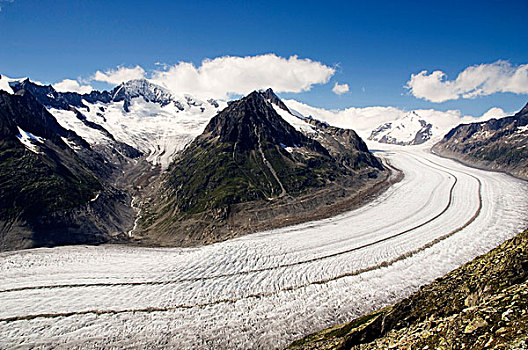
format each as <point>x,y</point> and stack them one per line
<point>267,289</point>
<point>157,131</point>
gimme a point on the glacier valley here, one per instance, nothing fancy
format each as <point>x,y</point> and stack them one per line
<point>266,289</point>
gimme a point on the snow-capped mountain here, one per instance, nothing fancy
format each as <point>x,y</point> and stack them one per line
<point>136,114</point>
<point>409,130</point>
<point>129,90</point>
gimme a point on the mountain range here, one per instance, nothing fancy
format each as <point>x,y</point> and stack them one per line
<point>496,144</point>
<point>78,168</point>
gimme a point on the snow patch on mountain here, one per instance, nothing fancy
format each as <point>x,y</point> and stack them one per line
<point>522,129</point>
<point>29,140</point>
<point>296,121</point>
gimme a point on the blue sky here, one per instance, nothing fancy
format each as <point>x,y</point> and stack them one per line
<point>374,46</point>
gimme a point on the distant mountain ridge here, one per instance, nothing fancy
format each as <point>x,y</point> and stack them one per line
<point>497,144</point>
<point>136,117</point>
<point>410,130</point>
<point>124,92</point>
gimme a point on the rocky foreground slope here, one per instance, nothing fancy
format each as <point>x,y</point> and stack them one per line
<point>481,305</point>
<point>497,144</point>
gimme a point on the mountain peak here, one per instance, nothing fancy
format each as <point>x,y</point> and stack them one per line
<point>252,120</point>
<point>249,156</point>
<point>270,95</point>
<point>524,110</point>
<point>151,92</point>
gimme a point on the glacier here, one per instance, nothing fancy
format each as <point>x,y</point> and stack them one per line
<point>266,289</point>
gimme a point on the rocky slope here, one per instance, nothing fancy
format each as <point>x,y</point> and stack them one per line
<point>48,194</point>
<point>481,305</point>
<point>252,169</point>
<point>497,144</point>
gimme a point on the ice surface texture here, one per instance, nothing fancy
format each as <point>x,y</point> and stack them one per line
<point>266,289</point>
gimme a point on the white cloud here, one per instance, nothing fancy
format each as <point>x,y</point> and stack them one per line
<point>494,112</point>
<point>478,80</point>
<point>340,89</point>
<point>228,75</point>
<point>364,120</point>
<point>69,85</point>
<point>119,75</point>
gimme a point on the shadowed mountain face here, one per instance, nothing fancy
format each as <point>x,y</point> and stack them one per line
<point>249,153</point>
<point>47,191</point>
<point>497,144</point>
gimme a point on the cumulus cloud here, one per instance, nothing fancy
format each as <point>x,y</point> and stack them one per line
<point>119,75</point>
<point>364,120</point>
<point>494,112</point>
<point>478,80</point>
<point>70,85</point>
<point>340,89</point>
<point>228,75</point>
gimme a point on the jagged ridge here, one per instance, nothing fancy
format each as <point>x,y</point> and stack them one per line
<point>497,144</point>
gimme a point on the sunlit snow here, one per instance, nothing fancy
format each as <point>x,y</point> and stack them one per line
<point>266,289</point>
<point>29,140</point>
<point>4,83</point>
<point>157,131</point>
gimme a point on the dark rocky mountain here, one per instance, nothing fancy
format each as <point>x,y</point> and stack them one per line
<point>344,145</point>
<point>47,95</point>
<point>125,91</point>
<point>48,194</point>
<point>249,157</point>
<point>480,305</point>
<point>497,144</point>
